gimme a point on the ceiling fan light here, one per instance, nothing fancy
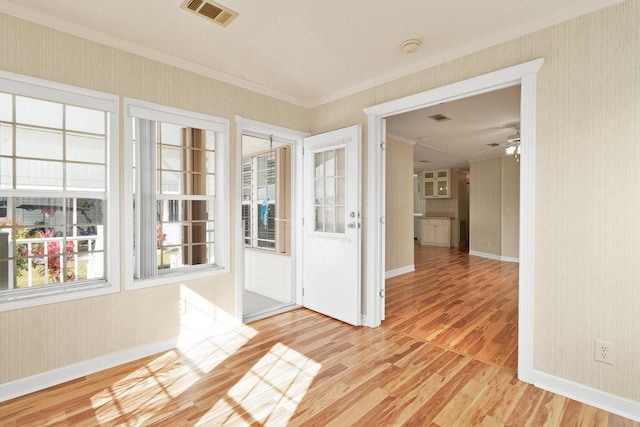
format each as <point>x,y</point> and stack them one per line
<point>510,151</point>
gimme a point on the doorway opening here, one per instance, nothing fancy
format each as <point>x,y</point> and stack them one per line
<point>467,303</point>
<point>524,74</point>
<point>266,225</point>
<point>267,255</point>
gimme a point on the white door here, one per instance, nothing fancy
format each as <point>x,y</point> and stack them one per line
<point>331,230</point>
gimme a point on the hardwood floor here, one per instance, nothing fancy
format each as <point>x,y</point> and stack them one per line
<point>302,368</point>
<point>464,303</point>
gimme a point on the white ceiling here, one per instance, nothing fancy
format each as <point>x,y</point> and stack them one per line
<point>303,51</point>
<point>475,122</point>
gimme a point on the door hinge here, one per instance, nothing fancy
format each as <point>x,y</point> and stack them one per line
<point>383,145</point>
<point>381,220</point>
<point>302,291</point>
<point>381,293</point>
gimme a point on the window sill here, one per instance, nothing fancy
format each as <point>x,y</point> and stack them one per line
<point>182,275</point>
<point>60,293</point>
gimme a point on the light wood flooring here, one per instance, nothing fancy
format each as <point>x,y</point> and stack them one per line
<point>429,365</point>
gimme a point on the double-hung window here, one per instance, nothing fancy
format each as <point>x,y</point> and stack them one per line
<point>178,187</point>
<point>58,206</point>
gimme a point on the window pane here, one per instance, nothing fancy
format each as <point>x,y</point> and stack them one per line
<point>211,185</point>
<point>6,107</point>
<point>172,183</point>
<point>330,219</point>
<point>319,218</point>
<point>85,120</point>
<point>340,191</point>
<point>37,112</point>
<point>6,140</point>
<point>319,196</point>
<point>340,219</point>
<point>6,173</point>
<point>330,191</point>
<point>340,162</point>
<point>38,143</point>
<point>171,158</point>
<point>85,148</point>
<point>85,177</point>
<point>329,163</point>
<point>38,174</point>
<point>210,161</point>
<point>319,162</point>
<point>170,134</point>
<point>210,140</point>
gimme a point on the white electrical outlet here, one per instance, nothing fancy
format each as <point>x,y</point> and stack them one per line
<point>603,351</point>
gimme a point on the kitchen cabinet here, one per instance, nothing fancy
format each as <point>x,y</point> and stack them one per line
<point>436,232</point>
<point>435,184</point>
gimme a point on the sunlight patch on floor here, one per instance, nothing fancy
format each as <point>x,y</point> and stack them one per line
<point>269,393</point>
<point>138,396</point>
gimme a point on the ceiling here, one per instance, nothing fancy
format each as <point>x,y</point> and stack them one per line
<point>474,123</point>
<point>303,51</point>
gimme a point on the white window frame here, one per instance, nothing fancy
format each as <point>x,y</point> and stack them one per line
<point>134,108</point>
<point>66,94</point>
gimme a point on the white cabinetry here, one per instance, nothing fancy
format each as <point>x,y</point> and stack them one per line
<point>436,232</point>
<point>435,184</point>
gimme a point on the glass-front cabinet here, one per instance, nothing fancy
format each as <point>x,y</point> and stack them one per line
<point>435,184</point>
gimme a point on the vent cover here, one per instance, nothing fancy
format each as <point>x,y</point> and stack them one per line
<point>212,11</point>
<point>439,118</point>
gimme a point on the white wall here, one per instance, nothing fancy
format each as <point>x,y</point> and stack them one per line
<point>268,274</point>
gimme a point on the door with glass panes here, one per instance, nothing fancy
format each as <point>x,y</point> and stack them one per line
<point>331,230</point>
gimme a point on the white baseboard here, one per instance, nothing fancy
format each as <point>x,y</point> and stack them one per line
<point>590,396</point>
<point>398,271</point>
<point>41,381</point>
<point>494,256</point>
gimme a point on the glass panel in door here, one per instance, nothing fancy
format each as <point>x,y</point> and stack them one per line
<point>329,191</point>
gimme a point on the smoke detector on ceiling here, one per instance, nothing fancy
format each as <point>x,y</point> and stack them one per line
<point>215,12</point>
<point>410,46</point>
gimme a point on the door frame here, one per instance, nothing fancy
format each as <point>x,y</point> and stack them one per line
<point>295,137</point>
<point>524,74</point>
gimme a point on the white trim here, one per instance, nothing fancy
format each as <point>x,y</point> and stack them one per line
<point>294,137</point>
<point>494,257</point>
<point>151,111</point>
<point>399,271</point>
<point>590,396</point>
<point>41,381</point>
<point>523,74</point>
<point>58,92</point>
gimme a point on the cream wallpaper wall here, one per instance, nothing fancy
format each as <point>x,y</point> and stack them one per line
<point>586,270</point>
<point>399,206</point>
<point>40,339</point>
<point>510,215</point>
<point>485,199</point>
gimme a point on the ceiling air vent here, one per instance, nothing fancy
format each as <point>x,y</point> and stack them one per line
<point>439,118</point>
<point>217,13</point>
